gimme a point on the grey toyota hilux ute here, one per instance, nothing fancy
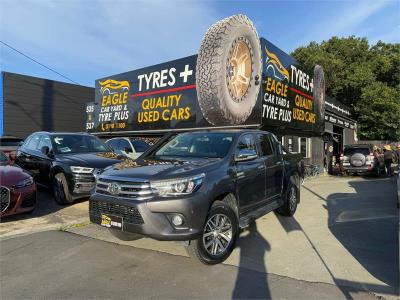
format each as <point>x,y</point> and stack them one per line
<point>200,187</point>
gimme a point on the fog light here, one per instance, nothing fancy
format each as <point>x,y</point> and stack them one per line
<point>177,220</point>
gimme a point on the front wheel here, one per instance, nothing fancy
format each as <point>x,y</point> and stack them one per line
<point>219,236</point>
<point>61,190</point>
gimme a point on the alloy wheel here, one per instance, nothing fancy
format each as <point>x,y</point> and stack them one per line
<point>217,235</point>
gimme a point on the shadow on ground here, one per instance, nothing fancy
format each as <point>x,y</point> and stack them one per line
<point>45,205</point>
<point>366,224</point>
<point>255,287</point>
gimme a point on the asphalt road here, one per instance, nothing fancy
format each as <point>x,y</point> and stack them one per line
<point>56,264</point>
<point>342,243</point>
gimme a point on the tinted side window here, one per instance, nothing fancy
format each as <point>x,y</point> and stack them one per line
<point>246,142</point>
<point>113,144</point>
<point>33,142</point>
<point>123,144</point>
<point>26,141</point>
<point>265,144</point>
<point>44,141</point>
<point>351,151</point>
<point>140,146</point>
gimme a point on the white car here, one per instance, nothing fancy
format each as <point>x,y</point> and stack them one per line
<point>131,148</point>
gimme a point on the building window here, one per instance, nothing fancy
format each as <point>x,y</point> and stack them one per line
<point>305,147</point>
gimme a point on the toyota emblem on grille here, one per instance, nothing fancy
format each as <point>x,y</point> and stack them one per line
<point>114,188</point>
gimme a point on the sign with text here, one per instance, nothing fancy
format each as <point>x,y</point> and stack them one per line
<point>166,96</point>
<point>288,93</point>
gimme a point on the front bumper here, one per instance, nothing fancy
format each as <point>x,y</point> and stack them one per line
<point>81,185</point>
<point>152,217</point>
<point>21,201</point>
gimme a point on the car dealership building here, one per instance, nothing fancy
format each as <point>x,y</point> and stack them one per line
<point>29,104</point>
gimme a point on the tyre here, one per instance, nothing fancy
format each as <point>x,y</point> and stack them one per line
<point>291,198</point>
<point>124,236</point>
<point>219,235</point>
<point>228,71</point>
<point>319,93</point>
<point>61,190</point>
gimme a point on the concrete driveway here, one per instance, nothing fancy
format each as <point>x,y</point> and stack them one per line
<point>48,215</point>
<point>345,233</point>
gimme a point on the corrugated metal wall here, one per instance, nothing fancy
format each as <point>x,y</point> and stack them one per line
<point>34,104</point>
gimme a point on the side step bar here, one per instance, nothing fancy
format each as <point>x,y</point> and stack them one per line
<point>247,218</point>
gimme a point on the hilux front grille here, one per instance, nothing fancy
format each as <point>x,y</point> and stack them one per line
<point>4,198</point>
<point>128,213</point>
<point>139,190</point>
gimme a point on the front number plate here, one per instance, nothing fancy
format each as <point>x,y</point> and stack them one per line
<point>111,221</point>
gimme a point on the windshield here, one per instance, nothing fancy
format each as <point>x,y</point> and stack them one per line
<point>69,143</point>
<point>351,151</point>
<point>209,144</point>
<point>140,145</point>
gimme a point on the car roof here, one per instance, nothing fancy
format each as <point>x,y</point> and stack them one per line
<point>230,130</point>
<point>10,137</point>
<point>358,146</point>
<point>61,132</point>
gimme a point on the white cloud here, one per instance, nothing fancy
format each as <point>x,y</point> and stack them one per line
<point>104,37</point>
<point>344,21</point>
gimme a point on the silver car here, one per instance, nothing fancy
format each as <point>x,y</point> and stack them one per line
<point>129,147</point>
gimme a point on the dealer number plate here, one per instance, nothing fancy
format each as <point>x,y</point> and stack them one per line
<point>110,221</point>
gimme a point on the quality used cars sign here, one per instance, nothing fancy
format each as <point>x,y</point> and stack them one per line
<point>288,93</point>
<point>244,81</point>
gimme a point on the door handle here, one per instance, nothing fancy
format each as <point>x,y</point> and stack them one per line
<point>261,167</point>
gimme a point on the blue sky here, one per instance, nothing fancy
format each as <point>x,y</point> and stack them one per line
<point>86,40</point>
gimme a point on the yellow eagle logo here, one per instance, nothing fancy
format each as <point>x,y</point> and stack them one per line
<point>113,86</point>
<point>273,63</point>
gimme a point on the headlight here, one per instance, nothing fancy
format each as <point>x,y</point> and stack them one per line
<point>26,182</point>
<point>176,187</point>
<point>81,170</point>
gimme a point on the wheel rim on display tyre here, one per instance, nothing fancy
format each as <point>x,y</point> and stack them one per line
<point>239,69</point>
<point>217,235</point>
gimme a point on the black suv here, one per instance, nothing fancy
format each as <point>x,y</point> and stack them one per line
<point>66,162</point>
<point>361,159</point>
<point>199,186</point>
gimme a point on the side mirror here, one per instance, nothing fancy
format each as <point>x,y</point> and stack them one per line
<point>246,155</point>
<point>20,143</point>
<point>128,150</point>
<point>45,150</point>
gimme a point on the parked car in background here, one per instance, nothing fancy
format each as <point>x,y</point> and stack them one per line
<point>65,162</point>
<point>199,186</point>
<point>129,147</point>
<point>17,189</point>
<point>9,145</point>
<point>360,159</point>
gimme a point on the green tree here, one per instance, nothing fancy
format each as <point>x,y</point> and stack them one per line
<point>363,76</point>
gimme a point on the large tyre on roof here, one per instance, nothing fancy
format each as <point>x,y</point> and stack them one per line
<point>319,93</point>
<point>228,71</point>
